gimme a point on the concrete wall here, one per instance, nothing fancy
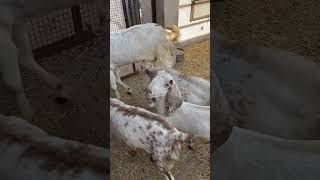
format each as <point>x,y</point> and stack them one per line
<point>191,30</point>
<point>178,12</point>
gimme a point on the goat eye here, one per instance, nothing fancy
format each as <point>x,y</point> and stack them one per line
<point>153,99</point>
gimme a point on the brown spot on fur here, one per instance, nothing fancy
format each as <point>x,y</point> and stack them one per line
<point>140,127</point>
<point>152,136</point>
<point>149,126</point>
<point>126,124</point>
<point>134,130</point>
<point>160,133</point>
<point>136,111</point>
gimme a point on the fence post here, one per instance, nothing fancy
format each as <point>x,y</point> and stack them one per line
<point>160,12</point>
<point>76,18</point>
<point>154,10</point>
<point>167,12</point>
<point>171,12</point>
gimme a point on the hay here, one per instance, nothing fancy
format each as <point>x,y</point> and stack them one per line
<point>196,60</point>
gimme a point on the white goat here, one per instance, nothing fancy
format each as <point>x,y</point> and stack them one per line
<point>194,90</point>
<point>271,91</point>
<point>16,47</point>
<point>250,155</point>
<point>163,93</point>
<point>141,43</point>
<point>27,152</point>
<point>140,128</point>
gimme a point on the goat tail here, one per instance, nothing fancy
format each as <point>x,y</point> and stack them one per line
<point>174,32</point>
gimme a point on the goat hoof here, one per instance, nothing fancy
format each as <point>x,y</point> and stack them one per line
<point>152,160</point>
<point>61,100</point>
<point>191,148</point>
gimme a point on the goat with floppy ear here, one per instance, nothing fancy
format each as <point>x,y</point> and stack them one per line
<point>194,90</point>
<point>164,94</point>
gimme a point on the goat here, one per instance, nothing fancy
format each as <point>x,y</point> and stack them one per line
<point>146,43</point>
<point>240,153</point>
<point>259,81</point>
<point>140,128</point>
<point>251,155</point>
<point>27,152</point>
<point>16,47</point>
<point>194,90</point>
<point>164,94</point>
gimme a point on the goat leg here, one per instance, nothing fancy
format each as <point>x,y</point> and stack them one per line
<point>26,59</point>
<point>132,152</point>
<point>118,80</point>
<point>113,84</point>
<point>11,73</point>
<point>164,170</point>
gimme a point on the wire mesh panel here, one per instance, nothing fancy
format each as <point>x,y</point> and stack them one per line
<point>146,11</point>
<point>64,25</point>
<point>125,13</point>
<point>62,28</point>
<point>117,19</point>
<point>51,28</point>
<point>117,23</point>
<point>89,16</point>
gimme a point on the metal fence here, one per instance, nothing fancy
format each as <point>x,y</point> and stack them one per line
<point>65,28</point>
<point>62,29</point>
<point>126,13</point>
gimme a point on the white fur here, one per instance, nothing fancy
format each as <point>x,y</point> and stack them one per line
<point>190,118</point>
<point>126,133</point>
<point>193,119</point>
<point>141,131</point>
<point>250,155</point>
<point>27,152</point>
<point>16,47</point>
<point>281,98</point>
<point>194,90</point>
<point>140,43</point>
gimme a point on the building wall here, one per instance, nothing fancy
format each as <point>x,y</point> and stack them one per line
<point>191,30</point>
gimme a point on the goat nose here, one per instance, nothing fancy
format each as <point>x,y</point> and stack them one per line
<point>148,91</point>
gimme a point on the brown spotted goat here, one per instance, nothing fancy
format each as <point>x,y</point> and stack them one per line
<point>143,129</point>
